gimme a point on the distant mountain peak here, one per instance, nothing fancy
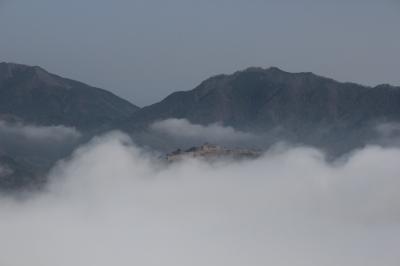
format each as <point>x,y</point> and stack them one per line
<point>29,73</point>
<point>272,70</point>
<point>13,67</point>
<point>387,86</point>
<point>261,69</point>
<point>33,95</point>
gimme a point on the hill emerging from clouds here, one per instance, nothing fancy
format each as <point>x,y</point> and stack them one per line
<point>298,107</point>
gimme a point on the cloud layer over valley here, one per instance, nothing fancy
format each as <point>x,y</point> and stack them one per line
<point>111,203</point>
<point>24,139</point>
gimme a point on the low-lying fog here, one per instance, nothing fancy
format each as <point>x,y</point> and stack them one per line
<point>112,203</point>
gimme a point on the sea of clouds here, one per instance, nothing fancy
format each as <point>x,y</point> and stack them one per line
<point>112,203</point>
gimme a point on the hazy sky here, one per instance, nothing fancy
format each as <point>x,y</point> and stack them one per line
<point>145,49</point>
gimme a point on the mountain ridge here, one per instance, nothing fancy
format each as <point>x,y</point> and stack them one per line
<point>300,107</point>
<point>273,73</point>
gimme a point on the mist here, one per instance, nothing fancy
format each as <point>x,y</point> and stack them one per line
<point>21,139</point>
<point>184,133</point>
<point>182,128</point>
<point>388,134</point>
<point>4,170</point>
<point>112,203</point>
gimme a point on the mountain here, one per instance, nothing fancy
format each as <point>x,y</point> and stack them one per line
<point>300,107</point>
<point>32,95</point>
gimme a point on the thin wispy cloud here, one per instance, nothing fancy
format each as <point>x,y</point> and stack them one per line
<point>38,133</point>
<point>214,133</point>
<point>23,139</point>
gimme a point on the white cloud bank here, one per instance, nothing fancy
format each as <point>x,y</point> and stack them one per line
<point>214,133</point>
<point>111,204</point>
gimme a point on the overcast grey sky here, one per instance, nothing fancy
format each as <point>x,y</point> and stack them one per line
<point>143,50</point>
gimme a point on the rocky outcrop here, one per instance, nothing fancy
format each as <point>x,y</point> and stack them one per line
<point>212,152</point>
